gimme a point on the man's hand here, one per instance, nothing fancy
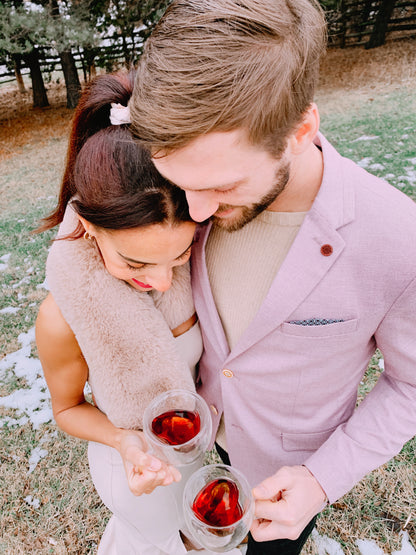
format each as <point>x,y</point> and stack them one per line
<point>285,503</point>
<point>144,472</point>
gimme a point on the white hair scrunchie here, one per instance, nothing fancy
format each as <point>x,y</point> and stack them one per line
<point>119,114</point>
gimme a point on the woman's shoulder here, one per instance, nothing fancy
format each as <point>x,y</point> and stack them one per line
<point>51,323</point>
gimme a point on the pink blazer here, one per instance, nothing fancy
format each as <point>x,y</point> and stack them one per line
<point>289,391</point>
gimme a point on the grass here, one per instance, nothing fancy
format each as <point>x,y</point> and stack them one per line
<point>360,95</point>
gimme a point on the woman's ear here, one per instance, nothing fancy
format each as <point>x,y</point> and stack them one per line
<point>89,228</point>
<point>306,132</point>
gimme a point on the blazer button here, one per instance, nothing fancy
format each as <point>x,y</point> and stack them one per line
<point>228,373</point>
<point>327,250</point>
<point>214,409</point>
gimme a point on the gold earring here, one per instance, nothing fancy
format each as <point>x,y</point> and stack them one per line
<point>88,237</point>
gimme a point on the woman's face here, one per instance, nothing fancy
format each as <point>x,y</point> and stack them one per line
<point>144,257</point>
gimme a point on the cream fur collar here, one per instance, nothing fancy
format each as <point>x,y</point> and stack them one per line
<point>123,334</point>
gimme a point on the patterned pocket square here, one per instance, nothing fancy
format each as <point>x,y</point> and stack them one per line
<point>315,322</point>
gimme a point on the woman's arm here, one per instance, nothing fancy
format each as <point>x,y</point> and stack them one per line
<point>66,373</point>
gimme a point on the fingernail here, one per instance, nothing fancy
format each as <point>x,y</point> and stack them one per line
<point>155,464</point>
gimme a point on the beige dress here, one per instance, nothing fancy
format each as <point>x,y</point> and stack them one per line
<point>148,524</point>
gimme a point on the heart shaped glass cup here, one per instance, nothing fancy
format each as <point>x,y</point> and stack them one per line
<point>177,425</point>
<point>218,507</point>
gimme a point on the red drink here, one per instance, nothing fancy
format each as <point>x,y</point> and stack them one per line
<point>176,426</point>
<point>217,503</point>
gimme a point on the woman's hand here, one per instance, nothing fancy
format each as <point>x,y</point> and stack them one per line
<point>144,472</point>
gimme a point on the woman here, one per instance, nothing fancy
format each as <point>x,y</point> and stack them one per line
<point>124,241</point>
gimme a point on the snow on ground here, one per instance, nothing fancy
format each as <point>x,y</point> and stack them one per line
<point>10,310</point>
<point>4,262</point>
<point>366,138</point>
<point>327,546</point>
<point>32,401</point>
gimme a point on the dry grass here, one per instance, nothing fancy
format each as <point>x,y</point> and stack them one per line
<point>352,76</point>
<point>20,124</point>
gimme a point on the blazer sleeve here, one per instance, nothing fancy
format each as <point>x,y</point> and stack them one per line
<point>386,419</point>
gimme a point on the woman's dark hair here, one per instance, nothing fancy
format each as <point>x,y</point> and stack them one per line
<point>113,179</point>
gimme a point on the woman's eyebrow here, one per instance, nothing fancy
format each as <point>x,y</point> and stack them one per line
<point>128,259</point>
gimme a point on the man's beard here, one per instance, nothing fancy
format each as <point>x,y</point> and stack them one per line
<point>248,213</point>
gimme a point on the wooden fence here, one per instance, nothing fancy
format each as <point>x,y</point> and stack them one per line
<point>353,23</point>
<point>371,22</point>
<point>110,57</point>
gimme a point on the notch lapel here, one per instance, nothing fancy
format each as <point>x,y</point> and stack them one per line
<point>302,269</point>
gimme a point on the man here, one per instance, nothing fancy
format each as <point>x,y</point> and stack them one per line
<point>306,267</point>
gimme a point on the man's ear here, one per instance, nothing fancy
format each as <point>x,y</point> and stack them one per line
<point>302,138</point>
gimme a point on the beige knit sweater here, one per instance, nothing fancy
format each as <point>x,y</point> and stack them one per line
<point>124,334</point>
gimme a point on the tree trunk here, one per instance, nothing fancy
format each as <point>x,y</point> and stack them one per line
<point>126,51</point>
<point>40,99</point>
<point>18,74</point>
<point>89,55</point>
<point>84,69</point>
<point>73,86</point>
<point>378,36</point>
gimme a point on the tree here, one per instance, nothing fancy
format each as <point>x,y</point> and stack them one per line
<point>22,33</point>
<point>17,63</point>
<point>378,36</point>
<point>132,22</point>
<point>64,46</point>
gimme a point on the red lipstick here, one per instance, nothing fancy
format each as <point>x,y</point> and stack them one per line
<point>144,285</point>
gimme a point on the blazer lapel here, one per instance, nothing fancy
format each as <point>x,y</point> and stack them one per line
<point>306,264</point>
<point>303,267</point>
<point>204,301</point>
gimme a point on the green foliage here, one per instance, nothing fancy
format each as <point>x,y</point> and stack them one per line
<point>22,30</point>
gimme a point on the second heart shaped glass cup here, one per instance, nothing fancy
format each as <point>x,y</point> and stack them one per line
<point>218,507</point>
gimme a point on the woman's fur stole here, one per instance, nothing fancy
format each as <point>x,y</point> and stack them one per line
<point>124,334</point>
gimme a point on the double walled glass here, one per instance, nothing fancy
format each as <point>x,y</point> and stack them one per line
<point>217,538</point>
<point>181,402</point>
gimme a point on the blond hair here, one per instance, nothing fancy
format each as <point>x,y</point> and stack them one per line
<point>220,65</point>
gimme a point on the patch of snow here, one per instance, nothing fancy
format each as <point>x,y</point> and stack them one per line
<point>364,162</point>
<point>36,455</point>
<point>32,501</point>
<point>4,262</point>
<point>366,138</point>
<point>369,547</point>
<point>33,400</point>
<point>10,310</point>
<point>325,545</point>
<point>381,363</point>
<point>407,548</point>
<point>23,281</point>
<point>328,546</point>
<point>43,285</point>
<point>376,167</point>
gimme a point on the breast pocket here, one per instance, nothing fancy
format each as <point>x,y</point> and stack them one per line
<point>305,442</point>
<point>323,330</point>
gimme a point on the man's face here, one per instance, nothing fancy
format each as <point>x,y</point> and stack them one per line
<point>226,177</point>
